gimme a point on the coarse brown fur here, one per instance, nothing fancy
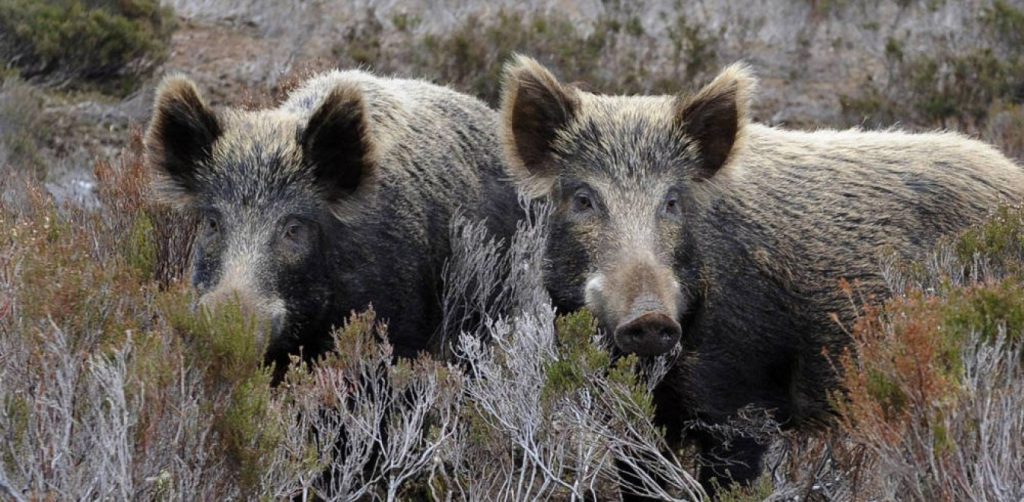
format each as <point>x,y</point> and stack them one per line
<point>680,206</point>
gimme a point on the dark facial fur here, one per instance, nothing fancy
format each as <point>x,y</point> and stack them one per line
<point>619,214</point>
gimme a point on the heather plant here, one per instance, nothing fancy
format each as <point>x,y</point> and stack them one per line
<point>933,394</point>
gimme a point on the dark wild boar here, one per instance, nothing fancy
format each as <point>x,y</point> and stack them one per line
<point>679,221</point>
<point>339,198</point>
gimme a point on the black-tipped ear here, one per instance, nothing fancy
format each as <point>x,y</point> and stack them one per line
<point>180,137</point>
<point>534,107</point>
<point>715,118</point>
<point>337,145</point>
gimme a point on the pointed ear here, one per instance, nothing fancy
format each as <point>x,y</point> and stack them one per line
<point>179,139</point>
<point>337,145</point>
<point>716,117</point>
<point>534,108</point>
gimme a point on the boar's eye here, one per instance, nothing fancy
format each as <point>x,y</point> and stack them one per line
<point>671,205</point>
<point>582,202</point>
<point>210,226</point>
<point>296,237</point>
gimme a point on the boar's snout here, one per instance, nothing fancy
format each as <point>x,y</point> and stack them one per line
<point>648,334</point>
<point>638,301</point>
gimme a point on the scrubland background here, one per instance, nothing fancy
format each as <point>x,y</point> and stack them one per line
<point>111,387</point>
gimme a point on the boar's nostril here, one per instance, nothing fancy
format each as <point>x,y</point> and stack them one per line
<point>649,334</point>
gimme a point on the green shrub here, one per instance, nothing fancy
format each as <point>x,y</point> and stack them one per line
<point>760,490</point>
<point>579,357</point>
<point>987,310</point>
<point>106,44</point>
<point>999,241</point>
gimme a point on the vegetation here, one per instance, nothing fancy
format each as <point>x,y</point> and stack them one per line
<point>934,394</point>
<point>978,90</point>
<point>612,56</point>
<point>106,44</point>
<point>943,90</point>
<point>97,330</point>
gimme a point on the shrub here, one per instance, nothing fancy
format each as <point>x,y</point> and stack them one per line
<point>942,90</point>
<point>108,44</point>
<point>977,91</point>
<point>1005,127</point>
<point>934,393</point>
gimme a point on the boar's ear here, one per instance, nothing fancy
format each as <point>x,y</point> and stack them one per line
<point>337,146</point>
<point>179,139</point>
<point>534,108</point>
<point>715,118</point>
